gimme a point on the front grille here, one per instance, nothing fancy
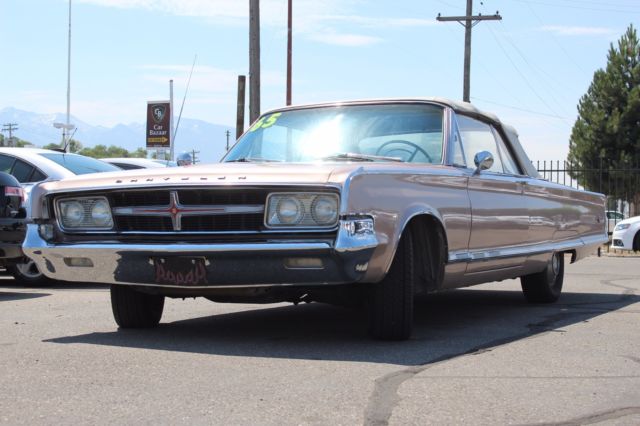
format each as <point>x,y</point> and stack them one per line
<point>219,212</point>
<point>139,198</point>
<point>143,224</point>
<point>223,223</point>
<point>189,210</point>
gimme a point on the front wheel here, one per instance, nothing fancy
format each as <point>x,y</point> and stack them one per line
<point>27,274</point>
<point>390,302</point>
<point>545,286</point>
<point>134,309</point>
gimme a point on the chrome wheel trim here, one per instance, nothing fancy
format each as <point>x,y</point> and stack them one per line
<point>29,270</point>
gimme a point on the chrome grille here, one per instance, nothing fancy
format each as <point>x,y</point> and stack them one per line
<point>189,210</point>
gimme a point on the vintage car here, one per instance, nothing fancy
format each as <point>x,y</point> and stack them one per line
<point>367,202</point>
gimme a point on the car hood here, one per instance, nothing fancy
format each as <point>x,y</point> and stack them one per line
<point>630,221</point>
<point>210,174</point>
<point>231,174</point>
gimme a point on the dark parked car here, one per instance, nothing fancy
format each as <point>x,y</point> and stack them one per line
<point>12,220</point>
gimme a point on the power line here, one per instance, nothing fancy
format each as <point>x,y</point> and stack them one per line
<point>576,7</point>
<point>519,109</point>
<point>526,80</point>
<point>534,66</point>
<point>571,59</point>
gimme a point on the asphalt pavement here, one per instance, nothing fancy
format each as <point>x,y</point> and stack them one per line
<point>478,356</point>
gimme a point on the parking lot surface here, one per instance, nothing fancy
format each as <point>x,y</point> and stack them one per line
<point>477,356</point>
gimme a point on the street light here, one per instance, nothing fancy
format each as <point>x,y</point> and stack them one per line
<point>66,128</point>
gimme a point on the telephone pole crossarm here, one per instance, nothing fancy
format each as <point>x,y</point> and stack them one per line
<point>475,19</point>
<point>468,21</point>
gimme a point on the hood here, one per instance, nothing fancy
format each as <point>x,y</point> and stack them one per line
<point>630,221</point>
<point>211,174</point>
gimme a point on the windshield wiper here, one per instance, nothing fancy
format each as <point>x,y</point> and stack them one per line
<point>250,160</point>
<point>352,156</point>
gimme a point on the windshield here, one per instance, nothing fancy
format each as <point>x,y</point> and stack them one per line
<point>79,164</point>
<point>387,132</point>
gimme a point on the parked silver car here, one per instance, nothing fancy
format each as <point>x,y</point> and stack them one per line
<point>32,165</point>
<point>368,202</point>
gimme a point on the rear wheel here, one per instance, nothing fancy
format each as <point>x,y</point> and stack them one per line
<point>390,302</point>
<point>545,286</point>
<point>134,309</point>
<point>27,273</point>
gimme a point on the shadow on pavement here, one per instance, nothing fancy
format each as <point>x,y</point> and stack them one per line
<point>446,325</point>
<point>7,296</point>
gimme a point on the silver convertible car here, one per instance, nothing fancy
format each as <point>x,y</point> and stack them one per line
<point>363,203</point>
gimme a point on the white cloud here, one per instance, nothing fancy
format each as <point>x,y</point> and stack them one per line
<point>316,20</point>
<point>578,31</point>
<point>369,22</point>
<point>351,40</point>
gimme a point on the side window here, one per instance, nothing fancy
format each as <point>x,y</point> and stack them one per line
<point>457,152</point>
<point>5,163</point>
<point>477,136</point>
<point>38,176</point>
<point>22,171</point>
<point>510,166</point>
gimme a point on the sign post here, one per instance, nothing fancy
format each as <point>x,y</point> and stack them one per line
<point>158,126</point>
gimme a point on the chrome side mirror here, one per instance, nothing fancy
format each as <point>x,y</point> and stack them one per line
<point>483,161</point>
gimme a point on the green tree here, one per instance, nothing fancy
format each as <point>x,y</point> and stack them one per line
<point>607,131</point>
<point>74,146</point>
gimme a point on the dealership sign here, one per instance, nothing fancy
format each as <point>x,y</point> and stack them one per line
<point>159,124</point>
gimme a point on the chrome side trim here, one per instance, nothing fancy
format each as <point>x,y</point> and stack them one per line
<point>461,256</point>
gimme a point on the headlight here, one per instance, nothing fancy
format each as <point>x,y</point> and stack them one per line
<point>311,210</point>
<point>289,210</point>
<point>86,213</point>
<point>324,210</point>
<point>622,226</point>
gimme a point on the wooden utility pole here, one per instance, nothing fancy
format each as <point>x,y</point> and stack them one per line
<point>254,60</point>
<point>289,49</point>
<point>468,21</point>
<point>240,110</point>
<point>10,127</point>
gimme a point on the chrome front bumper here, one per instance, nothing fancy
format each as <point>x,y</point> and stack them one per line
<point>226,265</point>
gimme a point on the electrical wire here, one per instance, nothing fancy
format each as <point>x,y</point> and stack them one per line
<point>577,7</point>
<point>524,78</point>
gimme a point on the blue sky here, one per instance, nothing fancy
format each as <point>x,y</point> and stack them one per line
<point>530,69</point>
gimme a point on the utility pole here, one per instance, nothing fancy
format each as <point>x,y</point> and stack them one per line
<point>289,49</point>
<point>228,133</point>
<point>194,157</point>
<point>254,60</point>
<point>240,108</point>
<point>468,21</point>
<point>10,127</point>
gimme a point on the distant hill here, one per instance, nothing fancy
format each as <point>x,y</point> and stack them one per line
<point>208,138</point>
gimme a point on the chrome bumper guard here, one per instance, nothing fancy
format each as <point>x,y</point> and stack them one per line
<point>216,265</point>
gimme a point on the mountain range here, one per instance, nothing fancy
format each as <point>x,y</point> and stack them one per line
<point>208,138</point>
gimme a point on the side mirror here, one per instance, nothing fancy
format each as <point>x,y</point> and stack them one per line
<point>483,161</point>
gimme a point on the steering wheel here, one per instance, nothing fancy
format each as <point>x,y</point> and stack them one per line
<point>416,149</point>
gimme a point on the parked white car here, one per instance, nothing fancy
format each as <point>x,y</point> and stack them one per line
<point>129,163</point>
<point>613,218</point>
<point>626,234</point>
<point>32,165</point>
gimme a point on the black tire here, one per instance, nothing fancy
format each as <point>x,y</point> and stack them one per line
<point>545,286</point>
<point>134,309</point>
<point>390,302</point>
<point>636,242</point>
<point>26,273</point>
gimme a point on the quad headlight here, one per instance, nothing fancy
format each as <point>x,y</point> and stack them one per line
<point>86,213</point>
<point>315,210</point>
